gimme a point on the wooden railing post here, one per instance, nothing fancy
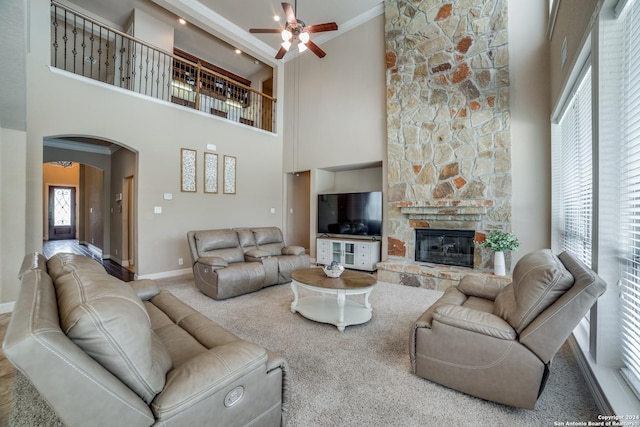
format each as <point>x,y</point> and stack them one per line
<point>198,85</point>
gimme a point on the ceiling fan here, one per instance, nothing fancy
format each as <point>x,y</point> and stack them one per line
<point>296,30</point>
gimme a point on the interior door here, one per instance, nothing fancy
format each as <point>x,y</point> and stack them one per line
<point>62,213</point>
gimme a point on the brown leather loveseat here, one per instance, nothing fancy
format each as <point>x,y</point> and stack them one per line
<point>497,342</point>
<point>103,352</point>
<point>235,261</point>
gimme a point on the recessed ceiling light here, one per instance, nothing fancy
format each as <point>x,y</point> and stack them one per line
<point>276,18</point>
<point>238,51</point>
<point>182,21</point>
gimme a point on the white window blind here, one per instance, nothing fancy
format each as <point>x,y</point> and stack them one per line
<point>572,174</point>
<point>630,195</point>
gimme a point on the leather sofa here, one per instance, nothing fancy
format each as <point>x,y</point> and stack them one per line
<point>496,340</point>
<point>231,262</point>
<point>103,352</point>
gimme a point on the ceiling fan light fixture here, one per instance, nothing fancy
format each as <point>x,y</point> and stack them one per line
<point>286,35</point>
<point>295,30</point>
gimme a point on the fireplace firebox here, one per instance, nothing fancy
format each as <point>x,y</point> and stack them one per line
<point>449,247</point>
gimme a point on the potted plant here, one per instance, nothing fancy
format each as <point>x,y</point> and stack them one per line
<point>499,241</point>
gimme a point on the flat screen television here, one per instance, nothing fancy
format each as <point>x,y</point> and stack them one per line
<point>357,214</point>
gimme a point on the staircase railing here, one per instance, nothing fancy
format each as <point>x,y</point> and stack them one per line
<point>84,46</point>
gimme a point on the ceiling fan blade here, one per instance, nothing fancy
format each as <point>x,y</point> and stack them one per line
<point>265,30</point>
<point>328,26</point>
<point>289,14</point>
<point>315,49</point>
<point>281,53</point>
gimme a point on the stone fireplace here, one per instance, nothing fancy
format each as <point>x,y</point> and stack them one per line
<point>448,126</point>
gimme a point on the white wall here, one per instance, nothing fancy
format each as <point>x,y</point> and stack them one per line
<point>530,125</point>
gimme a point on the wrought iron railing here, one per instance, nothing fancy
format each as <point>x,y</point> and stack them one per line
<point>83,46</point>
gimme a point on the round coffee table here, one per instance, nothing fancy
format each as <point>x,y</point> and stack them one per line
<point>337,311</point>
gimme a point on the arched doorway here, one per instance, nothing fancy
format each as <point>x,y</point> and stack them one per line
<point>105,195</point>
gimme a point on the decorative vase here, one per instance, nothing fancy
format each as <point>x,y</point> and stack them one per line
<point>499,268</point>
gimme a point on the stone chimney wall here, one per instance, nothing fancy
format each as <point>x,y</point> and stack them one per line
<point>448,120</point>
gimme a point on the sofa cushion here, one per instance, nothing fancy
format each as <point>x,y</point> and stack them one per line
<point>246,238</point>
<point>269,239</point>
<point>105,317</point>
<point>539,279</point>
<point>63,263</point>
<point>219,243</point>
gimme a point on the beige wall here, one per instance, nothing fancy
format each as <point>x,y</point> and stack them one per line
<point>123,166</point>
<point>573,22</point>
<point>530,125</point>
<point>92,188</point>
<point>13,197</point>
<point>335,110</point>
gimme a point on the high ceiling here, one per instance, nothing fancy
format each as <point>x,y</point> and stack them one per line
<point>216,28</point>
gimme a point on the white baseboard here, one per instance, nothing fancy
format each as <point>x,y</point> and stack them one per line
<point>166,274</point>
<point>7,307</point>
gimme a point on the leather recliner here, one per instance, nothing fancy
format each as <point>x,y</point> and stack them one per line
<point>496,340</point>
<point>231,262</point>
<point>103,352</point>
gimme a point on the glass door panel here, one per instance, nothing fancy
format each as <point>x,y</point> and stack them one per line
<point>336,251</point>
<point>349,253</point>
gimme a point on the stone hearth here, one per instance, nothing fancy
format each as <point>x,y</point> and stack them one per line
<point>448,126</point>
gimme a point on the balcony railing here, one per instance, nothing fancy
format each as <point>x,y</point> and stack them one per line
<point>88,48</point>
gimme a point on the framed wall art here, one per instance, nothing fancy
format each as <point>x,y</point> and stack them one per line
<point>188,181</point>
<point>210,173</point>
<point>229,184</point>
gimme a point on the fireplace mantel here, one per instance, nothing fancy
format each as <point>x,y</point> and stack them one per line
<point>454,209</point>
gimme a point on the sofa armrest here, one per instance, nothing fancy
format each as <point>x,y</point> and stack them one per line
<point>293,250</point>
<point>213,261</point>
<point>145,288</point>
<point>484,286</point>
<point>474,321</point>
<point>256,255</point>
<point>276,362</point>
<point>205,375</point>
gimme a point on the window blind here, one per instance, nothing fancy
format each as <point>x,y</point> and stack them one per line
<point>630,195</point>
<point>572,174</point>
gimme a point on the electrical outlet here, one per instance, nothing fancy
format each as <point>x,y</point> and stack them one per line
<point>180,261</point>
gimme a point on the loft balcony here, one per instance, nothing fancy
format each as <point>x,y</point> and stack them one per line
<point>86,47</point>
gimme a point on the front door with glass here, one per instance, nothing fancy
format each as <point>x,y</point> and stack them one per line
<point>62,213</point>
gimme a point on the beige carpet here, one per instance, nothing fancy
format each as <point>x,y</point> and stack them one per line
<point>362,376</point>
<point>359,377</point>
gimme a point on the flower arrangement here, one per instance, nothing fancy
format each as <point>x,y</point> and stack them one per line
<point>499,241</point>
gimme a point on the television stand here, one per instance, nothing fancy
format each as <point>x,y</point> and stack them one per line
<point>350,253</point>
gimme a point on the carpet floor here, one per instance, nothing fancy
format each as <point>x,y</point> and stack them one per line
<point>362,376</point>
